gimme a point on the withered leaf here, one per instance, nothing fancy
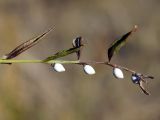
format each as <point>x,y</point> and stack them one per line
<point>116,45</point>
<point>143,89</point>
<point>62,53</point>
<point>148,77</point>
<point>25,46</point>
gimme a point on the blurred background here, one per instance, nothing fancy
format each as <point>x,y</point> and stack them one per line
<point>36,92</point>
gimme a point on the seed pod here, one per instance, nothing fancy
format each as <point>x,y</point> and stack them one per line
<point>89,69</point>
<point>135,78</point>
<point>58,67</point>
<point>118,73</point>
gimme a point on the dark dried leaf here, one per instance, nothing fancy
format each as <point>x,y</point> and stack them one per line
<point>25,46</point>
<point>77,43</point>
<point>62,53</point>
<point>151,77</point>
<point>116,45</point>
<point>143,89</point>
<point>148,77</point>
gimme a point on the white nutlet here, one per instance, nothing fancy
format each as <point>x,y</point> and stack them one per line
<point>89,69</point>
<point>58,67</point>
<point>118,73</point>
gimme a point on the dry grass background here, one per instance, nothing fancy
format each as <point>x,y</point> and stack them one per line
<point>36,92</point>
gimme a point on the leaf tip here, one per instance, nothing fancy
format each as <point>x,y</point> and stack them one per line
<point>135,28</point>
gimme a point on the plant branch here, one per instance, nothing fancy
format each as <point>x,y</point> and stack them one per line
<point>2,61</point>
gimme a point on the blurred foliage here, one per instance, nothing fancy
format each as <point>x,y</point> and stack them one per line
<point>35,92</point>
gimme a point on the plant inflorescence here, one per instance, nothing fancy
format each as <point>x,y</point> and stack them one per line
<point>137,78</point>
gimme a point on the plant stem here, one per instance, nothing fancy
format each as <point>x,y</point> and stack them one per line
<point>37,61</point>
<point>3,61</point>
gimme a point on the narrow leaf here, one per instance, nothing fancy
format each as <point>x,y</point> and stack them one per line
<point>116,45</point>
<point>148,77</point>
<point>143,89</point>
<point>25,46</point>
<point>62,53</point>
<point>77,43</point>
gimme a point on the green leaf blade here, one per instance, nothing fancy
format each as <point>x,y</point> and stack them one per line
<point>62,53</point>
<point>116,45</point>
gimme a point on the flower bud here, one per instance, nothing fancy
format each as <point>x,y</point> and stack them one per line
<point>135,78</point>
<point>118,73</point>
<point>89,69</point>
<point>58,67</point>
<point>77,42</point>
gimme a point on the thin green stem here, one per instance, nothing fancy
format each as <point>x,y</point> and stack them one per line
<point>37,61</point>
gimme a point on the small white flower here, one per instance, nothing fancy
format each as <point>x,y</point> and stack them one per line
<point>58,67</point>
<point>89,69</point>
<point>118,73</point>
